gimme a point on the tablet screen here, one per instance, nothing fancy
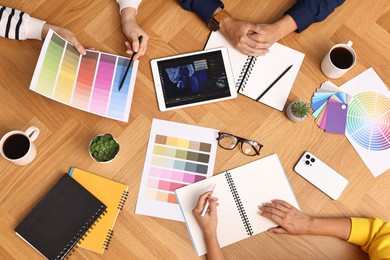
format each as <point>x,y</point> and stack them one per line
<point>191,79</point>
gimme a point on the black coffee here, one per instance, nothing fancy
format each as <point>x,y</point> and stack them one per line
<point>341,57</point>
<point>16,146</point>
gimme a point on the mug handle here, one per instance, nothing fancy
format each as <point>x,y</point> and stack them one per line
<point>32,132</point>
<point>349,43</point>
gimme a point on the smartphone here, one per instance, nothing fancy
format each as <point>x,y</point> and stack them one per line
<point>321,175</point>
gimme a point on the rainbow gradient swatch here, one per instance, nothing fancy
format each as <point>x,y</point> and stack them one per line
<point>368,121</point>
<point>90,82</point>
<point>178,155</point>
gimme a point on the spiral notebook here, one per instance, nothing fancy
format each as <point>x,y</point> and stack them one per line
<point>62,217</point>
<point>113,194</point>
<point>254,75</point>
<point>239,192</point>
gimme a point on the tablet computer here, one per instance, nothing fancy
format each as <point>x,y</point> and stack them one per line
<point>193,79</point>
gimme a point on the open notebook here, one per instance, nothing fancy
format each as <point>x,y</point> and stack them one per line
<point>253,75</point>
<point>239,192</point>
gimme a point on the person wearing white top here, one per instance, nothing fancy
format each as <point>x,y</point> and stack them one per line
<point>18,25</point>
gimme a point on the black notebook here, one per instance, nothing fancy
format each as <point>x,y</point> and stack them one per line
<point>60,219</point>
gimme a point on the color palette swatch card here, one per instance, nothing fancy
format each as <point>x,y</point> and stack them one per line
<point>88,82</point>
<point>330,108</point>
<point>368,120</point>
<point>177,155</point>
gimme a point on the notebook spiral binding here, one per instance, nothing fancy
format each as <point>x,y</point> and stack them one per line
<point>81,234</point>
<point>245,73</point>
<point>108,239</point>
<point>123,200</point>
<point>239,205</point>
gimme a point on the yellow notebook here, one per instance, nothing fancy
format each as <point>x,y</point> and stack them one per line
<point>113,194</point>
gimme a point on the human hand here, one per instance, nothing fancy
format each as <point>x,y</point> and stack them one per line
<point>244,36</point>
<point>132,31</point>
<point>290,220</point>
<point>66,34</point>
<point>208,223</point>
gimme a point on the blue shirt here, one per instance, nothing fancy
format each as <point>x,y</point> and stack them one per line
<point>304,12</point>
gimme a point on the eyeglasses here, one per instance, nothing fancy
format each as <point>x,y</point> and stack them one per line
<point>229,142</point>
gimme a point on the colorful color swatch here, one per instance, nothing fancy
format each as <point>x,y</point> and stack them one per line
<point>330,108</point>
<point>178,155</point>
<point>88,82</point>
<point>368,121</point>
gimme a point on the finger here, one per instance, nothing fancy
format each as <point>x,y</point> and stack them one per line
<point>250,51</point>
<point>212,206</point>
<point>278,230</point>
<point>256,29</point>
<point>283,203</point>
<point>128,48</point>
<point>201,201</point>
<point>134,43</point>
<point>274,217</point>
<point>142,47</point>
<point>277,206</point>
<point>78,46</point>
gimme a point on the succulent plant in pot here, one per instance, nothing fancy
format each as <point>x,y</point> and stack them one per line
<point>298,110</point>
<point>103,148</point>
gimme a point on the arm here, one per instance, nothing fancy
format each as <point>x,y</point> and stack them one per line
<point>18,25</point>
<point>208,225</point>
<point>306,12</point>
<point>372,235</point>
<point>131,29</point>
<point>294,222</point>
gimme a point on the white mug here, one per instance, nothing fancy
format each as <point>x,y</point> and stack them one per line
<point>338,60</point>
<point>18,147</point>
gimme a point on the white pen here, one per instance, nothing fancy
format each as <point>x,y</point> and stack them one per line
<point>206,206</point>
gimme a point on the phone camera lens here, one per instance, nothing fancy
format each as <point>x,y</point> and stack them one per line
<point>312,160</point>
<point>307,162</point>
<point>307,156</point>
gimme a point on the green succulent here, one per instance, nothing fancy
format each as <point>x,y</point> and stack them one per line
<point>103,148</point>
<point>300,109</point>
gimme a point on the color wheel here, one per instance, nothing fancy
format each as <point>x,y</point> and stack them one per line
<point>368,121</point>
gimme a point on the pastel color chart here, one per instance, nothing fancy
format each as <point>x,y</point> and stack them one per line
<point>177,155</point>
<point>368,121</point>
<point>90,82</point>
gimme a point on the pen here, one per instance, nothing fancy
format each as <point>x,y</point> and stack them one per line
<point>206,206</point>
<point>273,83</point>
<point>128,65</point>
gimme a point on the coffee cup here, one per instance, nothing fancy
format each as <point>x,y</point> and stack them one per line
<point>338,60</point>
<point>18,147</point>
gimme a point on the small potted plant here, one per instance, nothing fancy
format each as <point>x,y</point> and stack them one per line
<point>298,110</point>
<point>103,148</point>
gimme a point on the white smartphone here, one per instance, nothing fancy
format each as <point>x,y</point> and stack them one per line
<point>321,175</point>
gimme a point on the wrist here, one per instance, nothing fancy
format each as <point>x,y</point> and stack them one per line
<point>284,26</point>
<point>128,14</point>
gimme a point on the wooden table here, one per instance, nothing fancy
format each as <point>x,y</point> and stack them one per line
<point>66,132</point>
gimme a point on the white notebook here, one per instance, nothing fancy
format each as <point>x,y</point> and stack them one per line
<point>254,74</point>
<point>250,185</point>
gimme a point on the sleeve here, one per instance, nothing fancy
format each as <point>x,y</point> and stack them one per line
<point>128,3</point>
<point>18,25</point>
<point>372,235</point>
<point>306,12</point>
<point>203,8</point>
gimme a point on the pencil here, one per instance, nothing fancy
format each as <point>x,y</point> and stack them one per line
<point>273,83</point>
<point>129,65</point>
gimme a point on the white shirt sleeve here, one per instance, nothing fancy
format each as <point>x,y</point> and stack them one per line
<point>18,25</point>
<point>128,3</point>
